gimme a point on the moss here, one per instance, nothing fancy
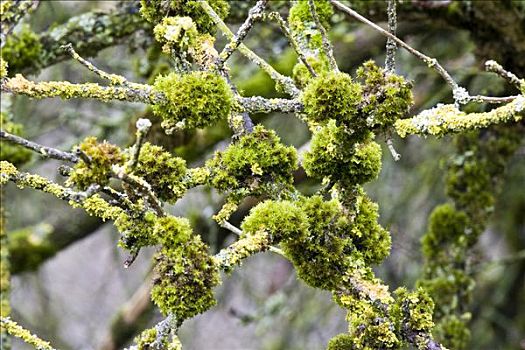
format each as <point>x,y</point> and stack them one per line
<point>302,23</point>
<point>387,96</point>
<point>257,163</point>
<point>175,33</point>
<point>162,171</point>
<point>413,310</point>
<point>282,220</point>
<point>27,240</point>
<point>453,332</point>
<point>22,49</point>
<point>17,155</point>
<point>333,96</point>
<point>335,154</point>
<point>137,230</point>
<point>301,74</point>
<point>155,10</point>
<point>172,231</point>
<point>186,276</point>
<point>372,240</point>
<point>319,257</point>
<point>3,68</point>
<point>342,341</point>
<point>102,157</point>
<point>447,228</point>
<point>197,99</point>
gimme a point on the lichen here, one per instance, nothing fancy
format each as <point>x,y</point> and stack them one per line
<point>198,99</point>
<point>175,33</point>
<point>257,163</point>
<point>413,310</point>
<point>3,68</point>
<point>147,340</point>
<point>155,10</point>
<point>102,156</point>
<point>162,171</point>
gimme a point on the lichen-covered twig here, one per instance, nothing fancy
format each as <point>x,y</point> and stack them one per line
<point>327,47</point>
<point>243,31</point>
<point>391,47</point>
<point>23,334</point>
<point>143,126</point>
<point>12,13</point>
<point>47,152</point>
<point>445,119</point>
<point>114,79</point>
<point>286,83</point>
<point>495,67</point>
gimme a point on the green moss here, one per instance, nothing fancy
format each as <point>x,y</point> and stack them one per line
<point>17,155</point>
<point>301,74</point>
<point>33,247</point>
<point>342,341</point>
<point>282,220</point>
<point>257,163</point>
<point>447,228</point>
<point>414,310</point>
<point>102,157</point>
<point>319,257</point>
<point>186,276</point>
<point>335,154</point>
<point>155,10</point>
<point>172,231</point>
<point>22,49</point>
<point>137,230</point>
<point>453,332</point>
<point>198,99</point>
<point>162,171</point>
<point>302,23</point>
<point>333,96</point>
<point>372,240</point>
<point>387,96</point>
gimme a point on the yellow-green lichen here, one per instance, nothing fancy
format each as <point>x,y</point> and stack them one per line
<point>235,253</point>
<point>162,171</point>
<point>155,10</point>
<point>3,68</point>
<point>175,33</point>
<point>413,310</point>
<point>148,337</point>
<point>257,163</point>
<point>196,99</point>
<point>15,330</point>
<point>102,156</point>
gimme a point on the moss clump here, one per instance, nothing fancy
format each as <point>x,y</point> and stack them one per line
<point>162,171</point>
<point>175,33</point>
<point>319,256</point>
<point>172,231</point>
<point>372,240</point>
<point>333,96</point>
<point>447,229</point>
<point>22,49</point>
<point>257,163</point>
<point>387,96</point>
<point>148,337</point>
<point>413,310</point>
<point>10,152</point>
<point>155,10</point>
<point>342,341</point>
<point>283,221</point>
<point>197,98</point>
<point>302,24</point>
<point>186,275</point>
<point>453,332</point>
<point>335,154</point>
<point>102,157</point>
<point>137,230</point>
<point>302,76</point>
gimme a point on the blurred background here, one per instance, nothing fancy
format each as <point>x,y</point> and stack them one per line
<point>76,293</point>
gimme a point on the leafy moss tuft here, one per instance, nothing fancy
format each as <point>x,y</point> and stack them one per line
<point>333,96</point>
<point>282,220</point>
<point>342,341</point>
<point>414,310</point>
<point>102,157</point>
<point>155,10</point>
<point>21,49</point>
<point>198,99</point>
<point>257,163</point>
<point>162,171</point>
<point>186,276</point>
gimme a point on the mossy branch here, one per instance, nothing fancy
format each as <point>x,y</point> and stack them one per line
<point>23,334</point>
<point>446,119</point>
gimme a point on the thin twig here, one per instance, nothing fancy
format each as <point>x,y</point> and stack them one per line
<point>285,82</point>
<point>114,79</point>
<point>392,150</point>
<point>391,47</point>
<point>276,17</point>
<point>327,47</point>
<point>460,94</point>
<point>495,67</point>
<point>143,126</point>
<point>243,31</point>
<point>230,227</point>
<point>44,151</point>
